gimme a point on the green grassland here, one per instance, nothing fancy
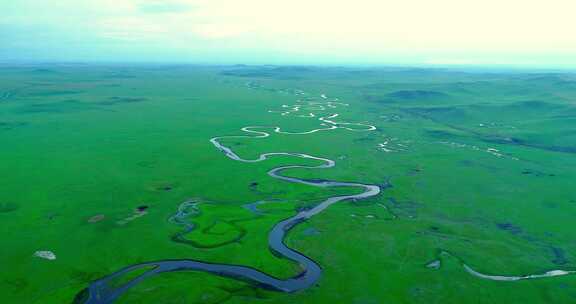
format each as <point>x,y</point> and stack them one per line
<point>478,164</point>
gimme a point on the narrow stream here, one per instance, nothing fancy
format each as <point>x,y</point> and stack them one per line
<point>100,291</point>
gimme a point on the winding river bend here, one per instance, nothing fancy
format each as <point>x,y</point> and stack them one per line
<point>101,291</point>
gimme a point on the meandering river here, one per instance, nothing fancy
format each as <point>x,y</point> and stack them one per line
<point>101,291</point>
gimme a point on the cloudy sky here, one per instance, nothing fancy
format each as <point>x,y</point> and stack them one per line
<point>490,32</point>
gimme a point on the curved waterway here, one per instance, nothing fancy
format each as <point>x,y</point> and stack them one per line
<point>101,291</point>
<point>436,264</point>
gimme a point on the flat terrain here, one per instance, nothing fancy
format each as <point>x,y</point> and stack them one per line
<point>477,171</point>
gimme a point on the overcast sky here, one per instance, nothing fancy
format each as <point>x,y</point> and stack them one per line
<point>524,32</point>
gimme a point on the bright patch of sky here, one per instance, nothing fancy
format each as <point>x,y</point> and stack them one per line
<point>439,32</point>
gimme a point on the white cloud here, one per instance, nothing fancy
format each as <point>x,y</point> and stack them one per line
<point>336,28</point>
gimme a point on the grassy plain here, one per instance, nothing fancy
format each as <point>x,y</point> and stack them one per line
<point>481,165</point>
